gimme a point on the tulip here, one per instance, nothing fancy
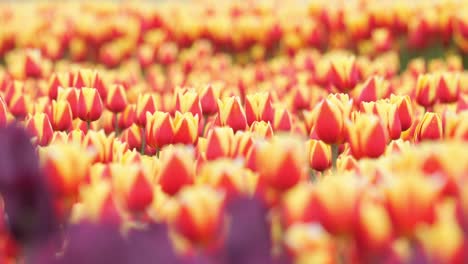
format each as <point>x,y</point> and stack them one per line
<point>367,136</point>
<point>297,206</point>
<point>448,88</point>
<point>39,127</point>
<point>55,81</point>
<point>410,201</point>
<point>208,99</point>
<point>373,89</point>
<point>188,102</point>
<point>97,205</point>
<point>281,162</point>
<point>185,128</point>
<point>405,112</point>
<point>132,187</point>
<point>71,95</point>
<point>220,143</point>
<point>229,176</point>
<point>32,64</point>
<point>84,78</point>
<point>20,105</point>
<point>159,129</point>
<point>258,107</point>
<point>177,169</point>
<point>425,93</point>
<point>101,144</point>
<point>337,212</point>
<point>132,136</point>
<point>89,105</point>
<point>343,74</point>
<point>116,100</point>
<point>61,115</point>
<point>282,120</point>
<point>429,128</point>
<point>231,113</point>
<point>65,167</point>
<point>261,129</point>
<point>319,155</point>
<point>145,103</point>
<point>200,214</point>
<point>330,124</point>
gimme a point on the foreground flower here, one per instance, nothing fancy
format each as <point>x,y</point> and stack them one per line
<point>367,136</point>
<point>231,113</point>
<point>429,128</point>
<point>89,105</point>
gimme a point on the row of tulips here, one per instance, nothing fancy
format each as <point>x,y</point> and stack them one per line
<point>111,33</point>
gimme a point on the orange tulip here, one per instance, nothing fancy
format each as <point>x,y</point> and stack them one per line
<point>367,136</point>
<point>185,127</point>
<point>331,116</point>
<point>159,129</point>
<point>319,155</point>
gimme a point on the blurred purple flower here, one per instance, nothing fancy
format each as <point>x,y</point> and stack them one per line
<point>28,205</point>
<point>248,239</point>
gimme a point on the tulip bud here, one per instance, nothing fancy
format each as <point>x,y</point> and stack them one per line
<point>200,214</point>
<point>132,187</point>
<point>426,90</point>
<point>319,155</point>
<point>429,128</point>
<point>231,113</point>
<point>61,115</point>
<point>65,166</point>
<point>261,129</point>
<point>410,201</point>
<point>145,103</point>
<point>159,129</point>
<point>89,105</point>
<point>32,64</point>
<point>185,128</point>
<point>20,105</point>
<point>177,169</point>
<point>448,88</point>
<point>336,212</point>
<point>188,102</point>
<point>243,142</point>
<point>258,107</point>
<point>208,99</point>
<point>331,117</point>
<point>55,81</point>
<point>229,176</point>
<point>39,127</point>
<point>71,95</point>
<point>220,143</point>
<point>367,136</point>
<point>282,120</point>
<point>101,144</point>
<point>281,162</point>
<point>84,78</point>
<point>97,205</point>
<point>116,100</point>
<point>343,73</point>
<point>373,89</point>
<point>404,109</point>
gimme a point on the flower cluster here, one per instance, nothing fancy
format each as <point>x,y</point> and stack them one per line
<point>233,133</point>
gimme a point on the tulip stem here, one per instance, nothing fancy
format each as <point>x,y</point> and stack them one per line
<point>116,121</point>
<point>335,153</point>
<point>88,125</point>
<point>143,141</point>
<point>205,121</point>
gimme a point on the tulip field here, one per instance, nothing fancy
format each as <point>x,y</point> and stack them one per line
<point>234,132</point>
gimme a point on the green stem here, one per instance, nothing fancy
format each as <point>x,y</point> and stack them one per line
<point>143,141</point>
<point>88,125</point>
<point>335,153</point>
<point>116,121</point>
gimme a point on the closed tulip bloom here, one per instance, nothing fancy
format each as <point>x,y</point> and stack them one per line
<point>281,162</point>
<point>132,187</point>
<point>84,78</point>
<point>65,167</point>
<point>177,169</point>
<point>57,80</point>
<point>39,127</point>
<point>429,128</point>
<point>208,99</point>
<point>231,113</point>
<point>116,100</point>
<point>258,107</point>
<point>448,87</point>
<point>410,201</point>
<point>188,102</point>
<point>330,123</point>
<point>20,105</point>
<point>404,109</point>
<point>200,216</point>
<point>282,120</point>
<point>159,129</point>
<point>367,136</point>
<point>89,105</point>
<point>297,205</point>
<point>261,129</point>
<point>71,95</point>
<point>425,93</point>
<point>319,155</point>
<point>61,115</point>
<point>220,143</point>
<point>343,73</point>
<point>373,89</point>
<point>145,103</point>
<point>185,128</point>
